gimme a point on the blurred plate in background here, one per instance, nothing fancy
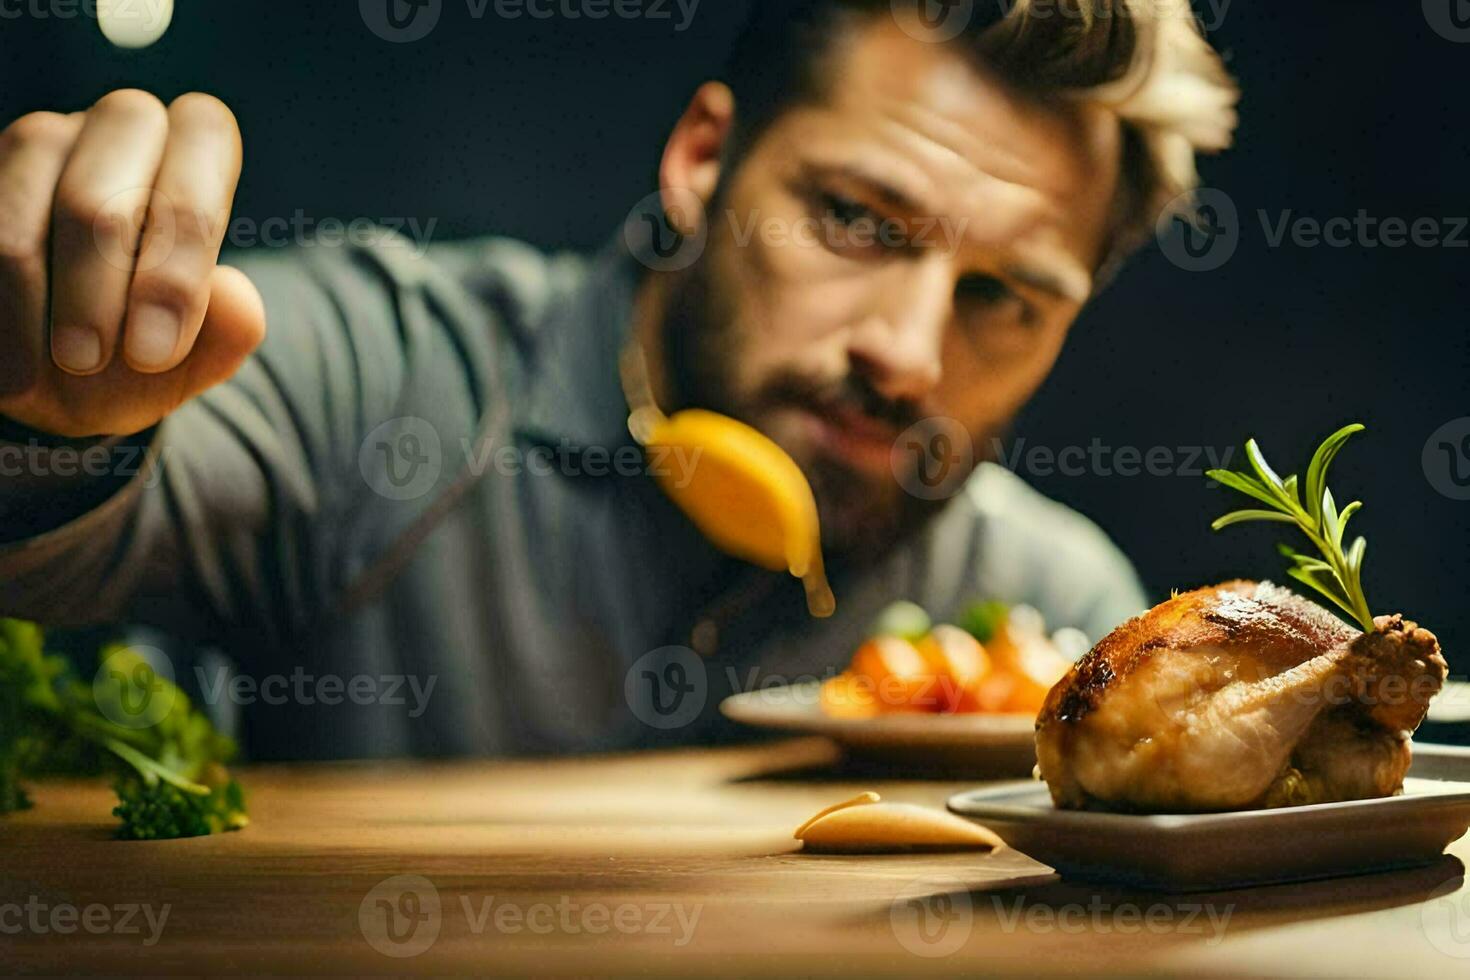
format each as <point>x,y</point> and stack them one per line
<point>970,744</point>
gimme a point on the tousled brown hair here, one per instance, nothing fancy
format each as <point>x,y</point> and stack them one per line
<point>1145,60</point>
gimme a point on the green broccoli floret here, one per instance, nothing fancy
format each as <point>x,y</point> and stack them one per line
<point>27,706</point>
<point>161,810</point>
<point>177,785</point>
<point>171,780</point>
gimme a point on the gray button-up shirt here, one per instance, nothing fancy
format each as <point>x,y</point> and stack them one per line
<point>416,525</point>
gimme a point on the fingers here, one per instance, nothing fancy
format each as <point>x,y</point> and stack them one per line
<point>234,325</point>
<point>122,401</point>
<point>187,217</point>
<point>33,151</point>
<point>111,223</point>
<point>97,224</point>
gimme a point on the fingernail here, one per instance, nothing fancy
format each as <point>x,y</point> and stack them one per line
<point>152,335</point>
<point>76,348</point>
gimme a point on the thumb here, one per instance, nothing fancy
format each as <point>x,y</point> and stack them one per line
<point>234,325</point>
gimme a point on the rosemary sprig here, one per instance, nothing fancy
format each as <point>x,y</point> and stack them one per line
<point>1337,574</point>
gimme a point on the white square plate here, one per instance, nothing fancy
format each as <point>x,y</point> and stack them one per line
<point>1194,852</point>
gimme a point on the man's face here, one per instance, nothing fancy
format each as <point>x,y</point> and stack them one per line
<point>913,247</point>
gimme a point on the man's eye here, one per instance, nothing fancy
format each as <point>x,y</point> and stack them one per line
<point>995,317</point>
<point>987,290</point>
<point>846,211</point>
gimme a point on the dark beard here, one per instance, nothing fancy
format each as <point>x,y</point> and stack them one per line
<point>862,518</point>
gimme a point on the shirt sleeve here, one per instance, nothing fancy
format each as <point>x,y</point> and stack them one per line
<point>239,511</point>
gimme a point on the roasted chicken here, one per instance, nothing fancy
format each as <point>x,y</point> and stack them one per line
<point>1237,696</point>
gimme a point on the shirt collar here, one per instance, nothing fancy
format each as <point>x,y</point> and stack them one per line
<point>571,393</point>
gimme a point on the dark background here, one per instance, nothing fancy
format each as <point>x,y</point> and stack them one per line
<point>549,130</point>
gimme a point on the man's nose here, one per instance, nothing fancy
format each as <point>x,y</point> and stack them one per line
<point>899,345</point>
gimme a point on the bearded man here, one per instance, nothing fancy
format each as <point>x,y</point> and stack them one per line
<point>871,234</point>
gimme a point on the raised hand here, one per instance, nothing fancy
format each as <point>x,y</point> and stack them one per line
<point>113,307</point>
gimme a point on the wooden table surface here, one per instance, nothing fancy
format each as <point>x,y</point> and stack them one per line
<point>677,863</point>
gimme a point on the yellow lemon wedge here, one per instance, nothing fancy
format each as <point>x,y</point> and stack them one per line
<point>743,492</point>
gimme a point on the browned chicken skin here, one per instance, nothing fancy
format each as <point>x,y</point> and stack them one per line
<point>1236,696</point>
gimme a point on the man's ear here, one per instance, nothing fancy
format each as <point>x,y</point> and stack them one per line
<point>690,169</point>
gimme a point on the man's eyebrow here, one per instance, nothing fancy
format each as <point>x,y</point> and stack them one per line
<point>892,195</point>
<point>1070,283</point>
